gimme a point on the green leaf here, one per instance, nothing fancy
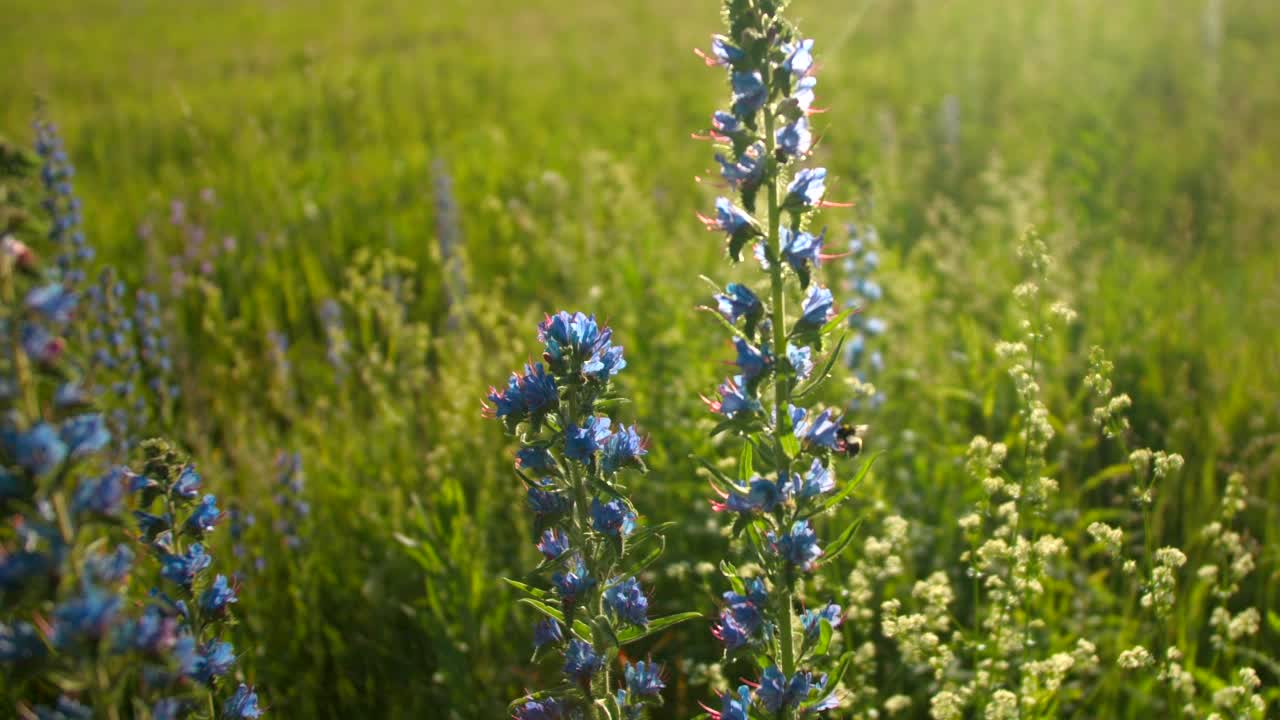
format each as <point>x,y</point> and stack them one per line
<point>746,467</point>
<point>632,634</point>
<point>822,376</point>
<point>581,629</point>
<point>790,443</point>
<point>824,638</point>
<point>635,567</point>
<point>602,632</point>
<point>730,571</point>
<point>845,491</point>
<point>726,484</point>
<point>845,661</point>
<point>645,532</point>
<point>723,321</point>
<point>842,543</point>
<point>836,321</point>
<point>527,589</point>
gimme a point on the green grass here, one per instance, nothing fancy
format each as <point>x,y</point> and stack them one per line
<point>1145,150</point>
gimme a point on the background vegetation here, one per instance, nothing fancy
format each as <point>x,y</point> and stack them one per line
<point>436,176</point>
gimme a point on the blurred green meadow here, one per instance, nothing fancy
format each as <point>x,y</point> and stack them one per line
<point>1139,137</point>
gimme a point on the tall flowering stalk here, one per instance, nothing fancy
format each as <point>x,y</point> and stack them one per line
<point>786,470</point>
<point>85,631</point>
<point>863,352</point>
<point>571,461</point>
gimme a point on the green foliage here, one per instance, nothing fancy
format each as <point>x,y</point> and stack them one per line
<point>1139,137</point>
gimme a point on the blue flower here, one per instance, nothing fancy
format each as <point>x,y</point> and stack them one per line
<point>795,139</point>
<point>723,52</point>
<point>725,124</point>
<point>806,189</point>
<point>39,450</point>
<point>546,709</point>
<point>733,706</point>
<point>535,459</point>
<point>183,569</point>
<point>738,301</point>
<point>746,611</point>
<point>799,249</point>
<point>187,486</point>
<point>54,301</point>
<point>553,544</point>
<point>205,517</point>
<point>203,664</point>
<point>612,518</point>
<point>168,709</point>
<point>40,345</point>
<point>626,601</point>
<point>100,496</point>
<point>730,219</point>
<point>798,547</point>
<point>814,483</point>
<point>753,361</point>
<point>816,309</point>
<point>732,398</point>
<point>644,679</point>
<point>572,584</point>
<point>605,363</point>
<point>530,395</point>
<point>745,172</point>
<point>21,643</point>
<point>799,57</point>
<point>70,395</point>
<point>581,443</point>
<point>546,503</point>
<point>812,619</point>
<point>218,597</point>
<point>153,633</point>
<point>621,449</point>
<point>773,692</point>
<point>759,496</point>
<point>822,431</point>
<point>547,632</point>
<point>730,632</point>
<point>756,594</point>
<point>749,94</point>
<point>574,338</point>
<point>776,692</point>
<point>87,617</point>
<point>108,568</point>
<point>151,525</point>
<point>64,709</point>
<point>801,360</point>
<point>243,705</point>
<point>581,661</point>
<point>18,568</point>
<point>85,435</point>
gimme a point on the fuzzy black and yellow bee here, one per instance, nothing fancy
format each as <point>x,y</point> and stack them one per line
<point>849,439</point>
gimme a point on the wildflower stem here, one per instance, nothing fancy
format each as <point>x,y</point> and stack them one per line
<point>781,390</point>
<point>580,526</point>
<point>21,363</point>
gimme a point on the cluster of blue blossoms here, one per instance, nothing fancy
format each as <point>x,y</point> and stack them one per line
<point>863,352</point>
<point>85,629</point>
<point>593,547</point>
<point>787,463</point>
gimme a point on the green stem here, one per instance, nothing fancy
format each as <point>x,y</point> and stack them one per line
<point>782,391</point>
<point>21,363</point>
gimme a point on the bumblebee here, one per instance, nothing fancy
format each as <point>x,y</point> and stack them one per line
<point>849,439</point>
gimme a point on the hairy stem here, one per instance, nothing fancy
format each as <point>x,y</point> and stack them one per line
<point>781,390</point>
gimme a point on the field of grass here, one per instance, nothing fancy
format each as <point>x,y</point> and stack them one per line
<point>445,173</point>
